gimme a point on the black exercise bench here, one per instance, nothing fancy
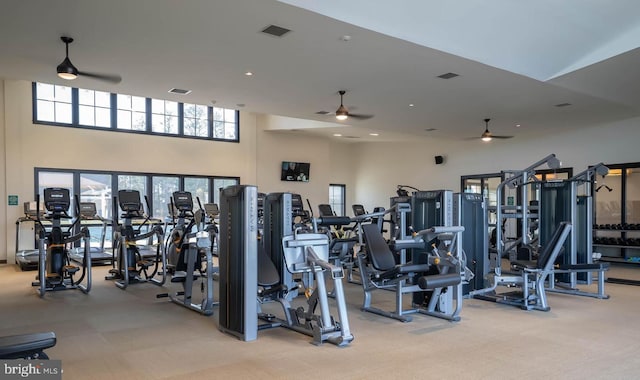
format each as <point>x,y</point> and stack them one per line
<point>26,346</point>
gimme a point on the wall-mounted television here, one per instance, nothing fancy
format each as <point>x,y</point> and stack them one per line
<point>295,171</point>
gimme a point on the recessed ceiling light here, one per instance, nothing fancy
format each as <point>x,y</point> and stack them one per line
<point>374,134</point>
<point>213,101</point>
<point>337,134</point>
<point>518,125</point>
<point>431,129</point>
<point>248,73</point>
<point>563,105</point>
<point>322,113</point>
<point>345,38</point>
<point>411,104</point>
<point>240,105</point>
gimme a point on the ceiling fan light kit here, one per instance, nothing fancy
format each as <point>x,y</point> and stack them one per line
<point>66,70</point>
<point>343,113</point>
<point>488,136</point>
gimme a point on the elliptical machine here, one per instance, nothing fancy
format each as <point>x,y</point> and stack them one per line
<point>185,251</point>
<point>129,265</point>
<point>55,271</point>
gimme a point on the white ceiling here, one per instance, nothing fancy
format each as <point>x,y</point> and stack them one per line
<point>516,60</point>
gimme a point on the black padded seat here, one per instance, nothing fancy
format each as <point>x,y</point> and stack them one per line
<point>382,258</point>
<point>16,346</point>
<point>379,252</point>
<point>547,251</point>
<point>584,267</point>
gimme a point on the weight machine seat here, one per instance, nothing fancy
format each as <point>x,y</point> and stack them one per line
<point>382,258</point>
<point>268,276</point>
<point>16,345</point>
<point>584,267</point>
<point>549,254</point>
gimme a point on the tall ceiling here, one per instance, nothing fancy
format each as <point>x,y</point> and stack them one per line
<point>516,61</point>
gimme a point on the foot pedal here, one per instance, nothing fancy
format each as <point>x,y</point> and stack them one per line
<point>71,269</point>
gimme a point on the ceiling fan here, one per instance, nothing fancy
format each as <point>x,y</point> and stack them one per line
<point>343,113</point>
<point>488,136</point>
<point>66,70</point>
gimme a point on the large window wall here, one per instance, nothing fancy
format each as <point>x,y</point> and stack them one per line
<point>100,187</point>
<point>85,108</point>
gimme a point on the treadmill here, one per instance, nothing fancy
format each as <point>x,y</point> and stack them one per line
<point>27,252</point>
<point>89,218</point>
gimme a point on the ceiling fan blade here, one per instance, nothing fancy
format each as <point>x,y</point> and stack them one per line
<point>360,116</point>
<point>104,77</point>
<point>501,137</point>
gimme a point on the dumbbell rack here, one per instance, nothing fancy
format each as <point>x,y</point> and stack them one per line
<point>624,242</point>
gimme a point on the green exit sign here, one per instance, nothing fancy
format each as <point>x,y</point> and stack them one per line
<point>510,201</point>
<point>13,200</point>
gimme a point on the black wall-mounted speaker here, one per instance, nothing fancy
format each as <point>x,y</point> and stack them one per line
<point>439,160</point>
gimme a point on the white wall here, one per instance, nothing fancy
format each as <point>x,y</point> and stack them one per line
<point>329,160</point>
<point>379,167</point>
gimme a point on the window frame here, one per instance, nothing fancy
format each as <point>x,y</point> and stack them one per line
<point>114,180</point>
<point>75,107</point>
<point>343,206</point>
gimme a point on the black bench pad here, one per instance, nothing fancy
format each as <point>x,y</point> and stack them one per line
<point>16,344</point>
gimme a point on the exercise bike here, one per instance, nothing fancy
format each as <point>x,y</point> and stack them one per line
<point>55,271</point>
<point>130,266</point>
<point>185,250</point>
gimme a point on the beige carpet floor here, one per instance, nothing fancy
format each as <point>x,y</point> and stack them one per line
<point>116,334</point>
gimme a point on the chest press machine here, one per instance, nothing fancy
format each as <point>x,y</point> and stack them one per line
<point>248,275</point>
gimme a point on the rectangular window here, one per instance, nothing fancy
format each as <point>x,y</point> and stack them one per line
<point>221,183</point>
<point>133,182</point>
<point>163,188</point>
<point>224,121</point>
<point>195,120</point>
<point>94,108</point>
<point>337,199</point>
<point>96,188</point>
<point>164,116</point>
<point>73,107</point>
<point>56,179</point>
<point>53,103</point>
<point>198,187</point>
<point>132,112</point>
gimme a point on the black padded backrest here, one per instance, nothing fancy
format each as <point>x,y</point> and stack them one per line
<point>358,210</point>
<point>553,247</point>
<point>267,272</point>
<point>325,210</point>
<point>379,252</point>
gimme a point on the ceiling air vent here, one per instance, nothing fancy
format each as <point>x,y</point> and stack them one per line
<point>448,75</point>
<point>275,30</point>
<point>322,113</point>
<point>431,129</point>
<point>351,137</point>
<point>179,91</point>
<point>562,105</point>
